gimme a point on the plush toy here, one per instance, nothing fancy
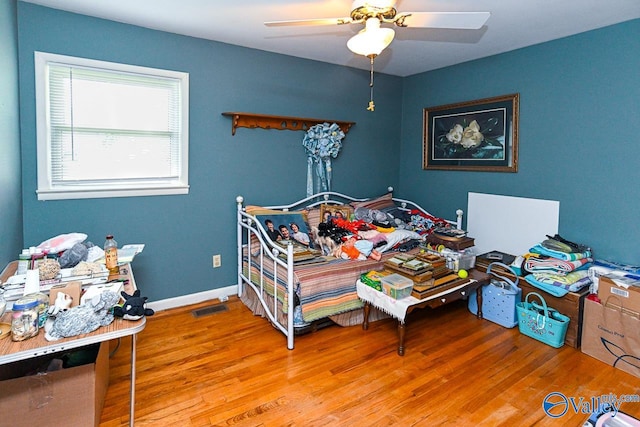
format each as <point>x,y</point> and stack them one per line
<point>62,303</point>
<point>83,318</point>
<point>133,307</point>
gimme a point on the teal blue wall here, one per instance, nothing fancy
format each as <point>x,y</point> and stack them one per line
<point>579,121</point>
<point>182,233</point>
<point>10,195</point>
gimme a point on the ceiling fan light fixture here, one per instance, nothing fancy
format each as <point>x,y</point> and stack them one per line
<point>372,40</point>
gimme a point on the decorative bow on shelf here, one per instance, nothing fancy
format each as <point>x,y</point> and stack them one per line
<point>321,142</point>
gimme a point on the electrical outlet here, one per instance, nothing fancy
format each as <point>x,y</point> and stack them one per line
<point>217,262</point>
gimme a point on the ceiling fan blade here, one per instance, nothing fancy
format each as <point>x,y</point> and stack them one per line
<point>305,22</point>
<point>455,20</point>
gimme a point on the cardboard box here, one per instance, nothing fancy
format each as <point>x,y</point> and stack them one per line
<point>73,289</point>
<point>72,397</point>
<point>612,294</point>
<point>611,336</point>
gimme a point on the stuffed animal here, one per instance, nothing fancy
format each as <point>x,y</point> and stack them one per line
<point>62,303</point>
<point>83,318</point>
<point>133,307</point>
<point>323,240</point>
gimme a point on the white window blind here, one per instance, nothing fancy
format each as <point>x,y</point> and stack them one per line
<point>109,130</point>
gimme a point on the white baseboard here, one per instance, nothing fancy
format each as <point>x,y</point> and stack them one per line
<point>220,293</point>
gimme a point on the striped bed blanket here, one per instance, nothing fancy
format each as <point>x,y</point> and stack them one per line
<point>324,289</point>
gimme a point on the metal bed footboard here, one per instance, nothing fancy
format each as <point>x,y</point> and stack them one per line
<point>253,245</point>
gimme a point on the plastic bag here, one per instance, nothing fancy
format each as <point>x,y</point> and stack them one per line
<point>62,242</point>
<point>72,257</point>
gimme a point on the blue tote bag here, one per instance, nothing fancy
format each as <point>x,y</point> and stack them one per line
<point>499,298</point>
<point>540,322</point>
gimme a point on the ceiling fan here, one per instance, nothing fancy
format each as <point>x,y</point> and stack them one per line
<point>373,39</point>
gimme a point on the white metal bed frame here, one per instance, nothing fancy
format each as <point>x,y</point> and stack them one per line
<point>268,252</point>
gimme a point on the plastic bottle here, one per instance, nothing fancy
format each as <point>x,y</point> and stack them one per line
<point>35,255</point>
<point>23,262</point>
<point>111,255</point>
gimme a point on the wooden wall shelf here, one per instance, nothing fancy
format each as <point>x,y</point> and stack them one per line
<point>263,121</point>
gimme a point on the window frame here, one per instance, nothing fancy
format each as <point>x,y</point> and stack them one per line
<point>117,187</point>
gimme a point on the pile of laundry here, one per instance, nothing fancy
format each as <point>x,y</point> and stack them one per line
<point>556,265</point>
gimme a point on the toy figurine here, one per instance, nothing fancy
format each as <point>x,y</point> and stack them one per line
<point>133,307</point>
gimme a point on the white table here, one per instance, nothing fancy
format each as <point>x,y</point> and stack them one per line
<point>11,351</point>
<point>399,309</point>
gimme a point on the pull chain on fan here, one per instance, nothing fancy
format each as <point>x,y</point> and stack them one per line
<point>371,106</point>
<point>370,42</point>
<point>373,39</point>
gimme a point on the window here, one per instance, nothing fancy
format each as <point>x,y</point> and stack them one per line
<point>109,130</point>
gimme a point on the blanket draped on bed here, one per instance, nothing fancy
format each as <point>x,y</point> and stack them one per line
<point>323,289</point>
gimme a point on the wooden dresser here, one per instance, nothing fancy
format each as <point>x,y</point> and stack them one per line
<point>570,305</point>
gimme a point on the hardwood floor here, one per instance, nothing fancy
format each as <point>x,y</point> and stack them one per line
<point>231,368</point>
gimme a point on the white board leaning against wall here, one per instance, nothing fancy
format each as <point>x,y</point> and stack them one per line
<point>510,224</point>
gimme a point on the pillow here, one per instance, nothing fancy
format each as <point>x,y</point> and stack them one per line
<point>313,217</point>
<point>374,236</point>
<point>379,203</point>
<point>259,210</point>
<point>396,237</point>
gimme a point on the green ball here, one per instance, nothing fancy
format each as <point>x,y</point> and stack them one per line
<point>463,274</point>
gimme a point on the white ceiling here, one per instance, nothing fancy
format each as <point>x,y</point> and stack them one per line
<point>513,24</point>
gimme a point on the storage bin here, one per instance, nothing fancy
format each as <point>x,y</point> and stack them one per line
<point>396,286</point>
<point>457,260</point>
<point>466,261</point>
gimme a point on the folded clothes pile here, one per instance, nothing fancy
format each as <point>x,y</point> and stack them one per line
<point>557,266</point>
<point>559,285</point>
<point>535,263</point>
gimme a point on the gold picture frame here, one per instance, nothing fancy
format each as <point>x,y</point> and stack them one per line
<point>480,135</point>
<point>335,211</point>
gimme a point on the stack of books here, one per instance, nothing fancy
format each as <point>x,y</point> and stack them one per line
<point>428,272</point>
<point>416,269</point>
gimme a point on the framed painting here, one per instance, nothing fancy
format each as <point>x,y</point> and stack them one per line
<point>479,135</point>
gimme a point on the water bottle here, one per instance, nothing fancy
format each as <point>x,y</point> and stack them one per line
<point>111,255</point>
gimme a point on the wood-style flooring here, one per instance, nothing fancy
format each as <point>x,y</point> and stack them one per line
<point>231,368</point>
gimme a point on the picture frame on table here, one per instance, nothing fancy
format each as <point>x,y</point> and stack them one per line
<point>480,135</point>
